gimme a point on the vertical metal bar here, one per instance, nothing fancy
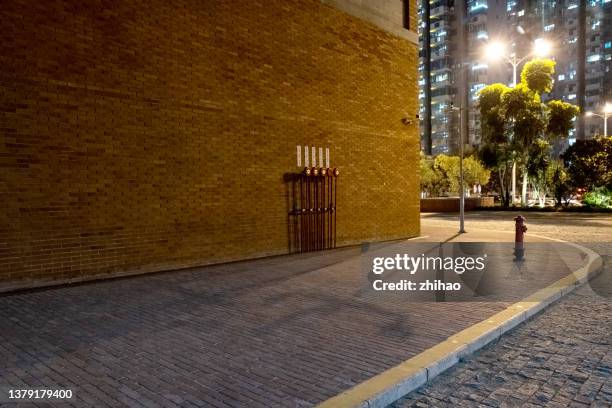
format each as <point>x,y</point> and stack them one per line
<point>308,210</point>
<point>317,205</point>
<point>315,239</point>
<point>301,212</point>
<point>329,207</point>
<point>294,212</point>
<point>316,212</point>
<point>323,207</point>
<point>336,173</point>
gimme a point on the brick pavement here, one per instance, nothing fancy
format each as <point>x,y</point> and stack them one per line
<point>284,331</point>
<point>560,358</point>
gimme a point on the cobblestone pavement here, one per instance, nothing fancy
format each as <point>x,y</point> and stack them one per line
<point>560,358</point>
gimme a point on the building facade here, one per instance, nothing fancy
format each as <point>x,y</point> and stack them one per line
<point>558,22</point>
<point>518,23</point>
<point>458,33</point>
<point>145,136</point>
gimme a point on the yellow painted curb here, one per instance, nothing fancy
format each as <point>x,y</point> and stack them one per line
<point>392,384</point>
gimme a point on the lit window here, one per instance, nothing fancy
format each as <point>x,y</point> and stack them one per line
<point>521,13</point>
<point>571,96</point>
<point>479,66</point>
<point>480,5</point>
<point>561,77</point>
<point>608,44</point>
<point>549,27</point>
<point>482,35</point>
<point>593,58</point>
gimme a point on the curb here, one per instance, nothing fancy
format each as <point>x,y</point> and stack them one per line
<point>394,383</point>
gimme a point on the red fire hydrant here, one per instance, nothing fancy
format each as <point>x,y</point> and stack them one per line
<point>519,238</point>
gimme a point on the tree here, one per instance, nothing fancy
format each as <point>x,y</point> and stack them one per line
<point>538,170</point>
<point>561,185</point>
<point>434,181</point>
<point>537,75</point>
<point>474,171</point>
<point>442,174</point>
<point>589,162</point>
<point>497,151</point>
<point>518,127</point>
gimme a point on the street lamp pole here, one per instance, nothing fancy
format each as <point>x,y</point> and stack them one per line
<point>461,175</point>
<point>514,69</point>
<point>515,64</point>
<point>607,111</point>
<point>462,193</point>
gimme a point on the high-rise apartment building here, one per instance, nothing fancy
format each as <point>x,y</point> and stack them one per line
<point>458,33</point>
<point>442,91</point>
<point>518,23</point>
<point>558,21</point>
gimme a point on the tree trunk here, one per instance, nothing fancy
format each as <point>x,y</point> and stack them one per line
<point>524,189</point>
<point>502,193</point>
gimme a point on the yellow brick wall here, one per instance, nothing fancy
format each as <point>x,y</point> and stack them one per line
<point>138,136</point>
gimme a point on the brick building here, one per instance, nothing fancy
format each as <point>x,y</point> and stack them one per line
<point>142,136</point>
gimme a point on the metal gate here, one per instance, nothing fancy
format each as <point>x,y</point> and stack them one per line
<point>313,209</point>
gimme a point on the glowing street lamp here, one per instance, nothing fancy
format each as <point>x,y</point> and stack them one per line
<point>607,111</point>
<point>541,48</point>
<point>497,50</point>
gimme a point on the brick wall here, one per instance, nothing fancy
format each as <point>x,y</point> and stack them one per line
<point>139,136</point>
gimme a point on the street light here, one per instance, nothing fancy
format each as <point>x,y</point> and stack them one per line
<point>607,111</point>
<point>497,50</point>
<point>461,189</point>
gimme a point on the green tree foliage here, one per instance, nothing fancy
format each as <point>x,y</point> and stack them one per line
<point>560,118</point>
<point>598,198</point>
<point>589,162</point>
<point>537,75</point>
<point>561,185</point>
<point>434,181</point>
<point>539,171</point>
<point>496,151</point>
<point>442,174</point>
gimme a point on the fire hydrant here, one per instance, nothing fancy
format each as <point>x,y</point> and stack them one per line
<point>519,238</point>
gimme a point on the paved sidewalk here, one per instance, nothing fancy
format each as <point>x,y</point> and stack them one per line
<point>561,358</point>
<point>283,331</point>
<point>574,227</point>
